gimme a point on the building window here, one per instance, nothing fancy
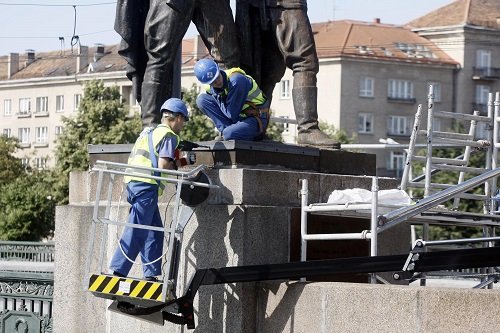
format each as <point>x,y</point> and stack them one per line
<point>436,124</point>
<point>285,89</point>
<point>396,162</point>
<point>482,93</point>
<point>365,123</point>
<point>437,90</point>
<point>7,132</point>
<point>59,103</point>
<point>7,107</point>
<point>58,131</point>
<point>483,59</point>
<point>24,136</point>
<point>40,162</point>
<point>24,106</point>
<point>366,86</point>
<point>25,162</point>
<point>400,89</point>
<point>398,125</point>
<point>77,99</point>
<point>482,131</point>
<point>41,135</point>
<point>42,105</point>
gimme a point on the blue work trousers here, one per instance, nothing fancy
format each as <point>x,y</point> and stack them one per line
<point>144,200</point>
<point>245,128</point>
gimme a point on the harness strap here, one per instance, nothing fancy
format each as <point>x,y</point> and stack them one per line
<point>153,158</point>
<point>255,111</point>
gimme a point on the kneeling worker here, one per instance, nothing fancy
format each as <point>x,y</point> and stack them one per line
<point>233,101</point>
<point>155,147</point>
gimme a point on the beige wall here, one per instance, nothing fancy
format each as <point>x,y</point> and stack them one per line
<point>49,87</point>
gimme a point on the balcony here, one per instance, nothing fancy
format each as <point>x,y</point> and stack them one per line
<point>406,100</point>
<point>41,114</point>
<point>24,114</point>
<point>486,73</point>
<point>40,144</point>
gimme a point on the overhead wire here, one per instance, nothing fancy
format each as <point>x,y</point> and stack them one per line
<point>56,5</point>
<point>75,39</point>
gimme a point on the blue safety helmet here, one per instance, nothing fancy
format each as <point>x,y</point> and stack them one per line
<point>206,71</point>
<point>175,105</point>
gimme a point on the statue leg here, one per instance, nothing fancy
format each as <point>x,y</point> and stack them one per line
<point>214,21</point>
<point>163,34</point>
<point>296,42</point>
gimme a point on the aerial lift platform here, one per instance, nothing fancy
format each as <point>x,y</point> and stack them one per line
<point>157,301</point>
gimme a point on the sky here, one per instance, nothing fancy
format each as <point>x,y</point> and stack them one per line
<point>39,24</point>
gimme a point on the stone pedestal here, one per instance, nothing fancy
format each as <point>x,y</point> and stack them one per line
<point>246,221</point>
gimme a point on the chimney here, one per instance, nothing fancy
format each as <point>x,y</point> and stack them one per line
<point>30,56</point>
<point>99,52</point>
<point>82,59</point>
<point>13,64</point>
<point>376,20</point>
<point>199,49</point>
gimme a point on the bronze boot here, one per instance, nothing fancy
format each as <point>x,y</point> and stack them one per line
<point>305,102</point>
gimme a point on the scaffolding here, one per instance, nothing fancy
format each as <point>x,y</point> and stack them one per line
<point>429,209</point>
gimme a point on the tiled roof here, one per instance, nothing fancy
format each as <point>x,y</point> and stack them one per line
<point>375,40</point>
<point>483,13</point>
<point>333,39</point>
<point>57,63</point>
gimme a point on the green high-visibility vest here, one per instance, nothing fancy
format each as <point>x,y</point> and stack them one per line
<point>141,156</point>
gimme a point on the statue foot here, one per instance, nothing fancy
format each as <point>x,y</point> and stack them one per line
<point>316,138</point>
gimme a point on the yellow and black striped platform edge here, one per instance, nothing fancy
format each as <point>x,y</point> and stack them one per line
<point>140,289</point>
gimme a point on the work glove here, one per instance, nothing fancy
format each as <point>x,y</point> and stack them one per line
<point>184,158</point>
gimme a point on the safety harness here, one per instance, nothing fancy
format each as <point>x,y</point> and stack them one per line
<point>256,104</point>
<point>144,154</point>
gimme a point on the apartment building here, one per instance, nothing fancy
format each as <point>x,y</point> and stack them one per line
<point>37,90</point>
<point>372,77</point>
<point>469,32</point>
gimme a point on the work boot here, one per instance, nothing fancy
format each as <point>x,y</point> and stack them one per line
<point>305,102</point>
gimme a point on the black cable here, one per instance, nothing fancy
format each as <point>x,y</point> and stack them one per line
<point>74,39</point>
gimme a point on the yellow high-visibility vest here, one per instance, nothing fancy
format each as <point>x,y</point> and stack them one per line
<point>255,95</point>
<point>140,154</point>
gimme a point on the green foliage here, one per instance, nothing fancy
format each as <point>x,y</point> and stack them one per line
<point>274,131</point>
<point>199,127</point>
<point>101,119</point>
<point>10,166</point>
<point>336,134</point>
<point>27,208</point>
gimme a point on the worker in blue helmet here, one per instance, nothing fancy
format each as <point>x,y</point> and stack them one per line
<point>155,147</point>
<point>233,101</point>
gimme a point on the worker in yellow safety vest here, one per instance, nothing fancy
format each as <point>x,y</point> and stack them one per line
<point>233,101</point>
<point>155,147</point>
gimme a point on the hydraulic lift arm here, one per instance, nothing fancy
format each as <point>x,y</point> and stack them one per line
<point>181,310</point>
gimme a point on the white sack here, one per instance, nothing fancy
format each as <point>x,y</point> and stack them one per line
<point>359,195</point>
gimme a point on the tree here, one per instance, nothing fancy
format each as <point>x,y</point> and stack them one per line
<point>10,166</point>
<point>199,127</point>
<point>27,208</point>
<point>101,119</point>
<point>336,134</point>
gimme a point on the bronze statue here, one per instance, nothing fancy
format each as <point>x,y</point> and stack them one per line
<point>151,33</point>
<point>275,34</point>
